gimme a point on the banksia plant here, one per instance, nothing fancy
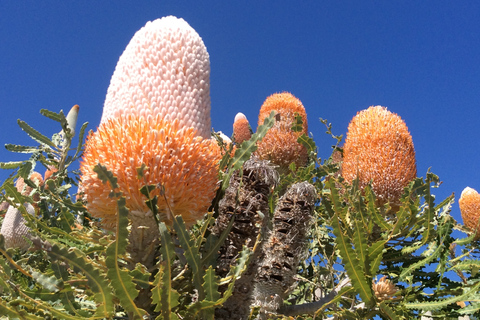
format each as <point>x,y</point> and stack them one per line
<point>280,145</point>
<point>241,128</point>
<point>379,149</point>
<point>469,204</point>
<point>165,71</point>
<point>384,289</point>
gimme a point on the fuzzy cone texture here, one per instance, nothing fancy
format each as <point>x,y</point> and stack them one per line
<point>379,148</point>
<point>280,144</point>
<point>241,128</point>
<point>14,229</point>
<point>165,71</point>
<point>469,204</point>
<point>184,165</point>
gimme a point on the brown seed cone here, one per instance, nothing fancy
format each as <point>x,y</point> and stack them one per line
<point>284,246</point>
<point>379,149</point>
<point>280,144</point>
<point>469,204</point>
<point>246,196</point>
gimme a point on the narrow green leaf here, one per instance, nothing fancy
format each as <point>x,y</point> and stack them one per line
<point>191,253</point>
<point>121,280</point>
<point>10,165</point>
<point>307,142</point>
<point>372,209</point>
<point>348,255</point>
<point>51,283</point>
<point>163,295</point>
<point>360,245</point>
<point>387,311</point>
<point>438,304</point>
<point>245,150</point>
<point>81,135</point>
<point>20,149</point>
<point>97,282</point>
<point>210,286</point>
<point>35,135</point>
<point>58,117</point>
<point>375,255</point>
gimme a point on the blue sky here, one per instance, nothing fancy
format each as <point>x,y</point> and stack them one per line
<point>420,59</point>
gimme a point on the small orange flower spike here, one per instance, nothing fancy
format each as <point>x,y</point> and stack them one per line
<point>379,149</point>
<point>241,128</point>
<point>280,144</point>
<point>178,161</point>
<point>469,204</point>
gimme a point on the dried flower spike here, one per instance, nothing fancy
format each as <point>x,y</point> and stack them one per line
<point>184,165</point>
<point>241,128</point>
<point>280,143</point>
<point>469,204</point>
<point>165,71</point>
<point>379,149</point>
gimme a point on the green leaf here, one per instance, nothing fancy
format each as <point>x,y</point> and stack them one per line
<point>372,209</point>
<point>163,295</point>
<point>121,280</point>
<point>438,304</point>
<point>20,149</point>
<point>97,282</point>
<point>348,255</point>
<point>244,152</point>
<point>375,255</point>
<point>80,139</point>
<point>10,165</point>
<point>58,117</point>
<point>387,311</point>
<point>307,142</point>
<point>52,284</point>
<point>191,253</point>
<point>35,135</point>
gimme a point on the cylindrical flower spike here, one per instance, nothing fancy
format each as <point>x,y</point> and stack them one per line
<point>280,144</point>
<point>379,149</point>
<point>184,165</point>
<point>165,71</point>
<point>469,204</point>
<point>241,128</point>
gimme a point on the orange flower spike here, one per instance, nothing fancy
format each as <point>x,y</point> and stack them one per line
<point>241,128</point>
<point>183,164</point>
<point>469,204</point>
<point>280,143</point>
<point>379,148</point>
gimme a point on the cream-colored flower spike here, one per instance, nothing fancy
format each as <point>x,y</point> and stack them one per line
<point>164,70</point>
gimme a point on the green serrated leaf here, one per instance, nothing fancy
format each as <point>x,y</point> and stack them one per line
<point>51,283</point>
<point>348,255</point>
<point>10,165</point>
<point>20,149</point>
<point>244,152</point>
<point>163,295</point>
<point>59,117</point>
<point>438,304</point>
<point>35,135</point>
<point>121,280</point>
<point>191,253</point>
<point>97,282</point>
<point>81,137</point>
<point>307,142</point>
<point>387,311</point>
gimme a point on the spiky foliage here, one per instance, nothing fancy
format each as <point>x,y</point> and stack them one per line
<point>379,149</point>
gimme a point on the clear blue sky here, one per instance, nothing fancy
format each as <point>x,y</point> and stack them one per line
<point>421,59</point>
